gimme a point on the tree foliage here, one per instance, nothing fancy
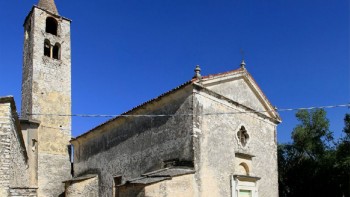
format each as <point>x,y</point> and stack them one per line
<point>312,135</point>
<point>347,126</point>
<point>313,164</point>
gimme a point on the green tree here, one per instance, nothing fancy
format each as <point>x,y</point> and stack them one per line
<point>307,165</point>
<point>312,137</point>
<point>343,158</point>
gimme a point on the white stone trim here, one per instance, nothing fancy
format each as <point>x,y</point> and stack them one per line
<point>237,185</point>
<point>238,140</point>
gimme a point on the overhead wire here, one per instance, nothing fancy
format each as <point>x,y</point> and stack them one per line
<point>171,115</point>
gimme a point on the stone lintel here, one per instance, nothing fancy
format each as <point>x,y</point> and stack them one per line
<point>81,178</point>
<point>24,187</point>
<point>29,121</point>
<point>246,178</point>
<point>244,155</point>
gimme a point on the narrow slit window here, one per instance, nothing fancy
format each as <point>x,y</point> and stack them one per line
<point>117,181</point>
<point>47,48</point>
<point>56,51</point>
<point>51,26</point>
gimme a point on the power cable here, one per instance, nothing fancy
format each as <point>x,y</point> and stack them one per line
<point>171,115</point>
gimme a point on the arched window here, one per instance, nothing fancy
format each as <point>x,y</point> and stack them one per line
<point>243,136</point>
<point>47,48</point>
<point>56,51</point>
<point>243,169</point>
<point>51,26</point>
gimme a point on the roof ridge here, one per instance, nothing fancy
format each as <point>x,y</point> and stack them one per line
<point>222,74</point>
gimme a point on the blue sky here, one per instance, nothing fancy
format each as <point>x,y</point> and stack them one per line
<point>127,52</point>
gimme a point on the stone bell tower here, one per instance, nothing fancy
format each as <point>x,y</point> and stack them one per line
<point>46,93</point>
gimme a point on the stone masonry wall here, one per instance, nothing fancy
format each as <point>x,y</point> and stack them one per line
<point>180,186</point>
<point>129,147</point>
<point>216,143</point>
<point>5,148</point>
<point>13,158</point>
<point>46,89</point>
<point>23,192</point>
<point>83,188</point>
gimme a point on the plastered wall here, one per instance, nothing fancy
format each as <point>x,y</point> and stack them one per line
<point>216,144</point>
<point>181,186</point>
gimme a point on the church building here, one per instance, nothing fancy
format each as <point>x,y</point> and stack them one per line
<point>213,135</point>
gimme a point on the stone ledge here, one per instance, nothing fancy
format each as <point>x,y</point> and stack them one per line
<point>23,191</point>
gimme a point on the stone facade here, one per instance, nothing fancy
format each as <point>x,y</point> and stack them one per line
<point>217,146</point>
<point>87,187</point>
<point>13,155</point>
<point>133,146</point>
<point>211,136</point>
<point>23,192</point>
<point>46,89</point>
<point>34,151</point>
<point>30,137</point>
<point>202,132</point>
<point>178,186</point>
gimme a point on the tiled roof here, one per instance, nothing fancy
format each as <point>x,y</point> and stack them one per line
<point>192,81</point>
<point>81,178</point>
<point>149,180</point>
<point>48,5</point>
<point>137,107</point>
<point>161,175</point>
<point>170,172</point>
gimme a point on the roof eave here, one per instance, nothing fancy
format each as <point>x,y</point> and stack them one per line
<point>244,72</point>
<point>131,111</point>
<point>202,88</point>
<point>56,15</point>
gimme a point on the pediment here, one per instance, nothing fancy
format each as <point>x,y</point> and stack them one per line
<point>240,87</point>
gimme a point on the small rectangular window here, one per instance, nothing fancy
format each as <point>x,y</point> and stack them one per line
<point>116,181</point>
<point>245,193</point>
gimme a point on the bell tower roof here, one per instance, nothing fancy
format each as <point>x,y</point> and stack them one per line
<point>48,5</point>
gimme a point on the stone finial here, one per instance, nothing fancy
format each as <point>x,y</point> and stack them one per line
<point>243,64</point>
<point>197,71</point>
<point>48,5</point>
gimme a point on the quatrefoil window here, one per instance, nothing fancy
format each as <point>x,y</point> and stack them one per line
<point>243,136</point>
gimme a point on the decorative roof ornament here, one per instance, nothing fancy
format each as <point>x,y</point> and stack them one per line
<point>243,64</point>
<point>48,5</point>
<point>197,71</point>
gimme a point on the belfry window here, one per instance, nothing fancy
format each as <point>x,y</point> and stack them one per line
<point>56,51</point>
<point>243,136</point>
<point>47,48</point>
<point>52,51</point>
<point>51,26</point>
